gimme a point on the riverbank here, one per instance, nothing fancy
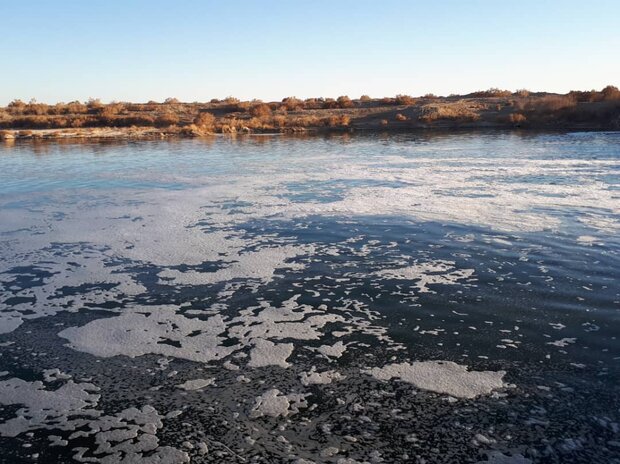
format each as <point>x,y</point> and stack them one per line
<point>489,110</point>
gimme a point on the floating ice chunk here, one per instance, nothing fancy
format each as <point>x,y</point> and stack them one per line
<point>442,377</point>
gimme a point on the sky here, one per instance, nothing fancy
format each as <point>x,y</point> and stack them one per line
<point>134,50</point>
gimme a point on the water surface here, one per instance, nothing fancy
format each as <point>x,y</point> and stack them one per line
<point>402,298</point>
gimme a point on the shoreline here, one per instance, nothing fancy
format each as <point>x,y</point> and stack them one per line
<point>150,133</point>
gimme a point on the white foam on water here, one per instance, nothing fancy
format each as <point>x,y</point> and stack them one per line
<point>437,272</point>
<point>196,384</point>
<point>128,436</point>
<point>266,353</point>
<point>563,342</point>
<point>442,377</point>
<point>273,403</point>
<point>137,332</point>
<point>313,377</point>
<point>41,406</point>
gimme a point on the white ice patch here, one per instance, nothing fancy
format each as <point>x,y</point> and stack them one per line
<point>442,377</point>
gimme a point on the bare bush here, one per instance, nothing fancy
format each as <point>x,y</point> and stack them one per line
<point>261,110</point>
<point>344,101</point>
<point>404,100</point>
<point>205,121</point>
<point>292,103</point>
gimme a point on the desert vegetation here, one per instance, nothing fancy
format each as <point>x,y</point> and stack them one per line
<point>489,108</point>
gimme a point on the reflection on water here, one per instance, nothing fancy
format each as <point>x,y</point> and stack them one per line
<point>384,298</point>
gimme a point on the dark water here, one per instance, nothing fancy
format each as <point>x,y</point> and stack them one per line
<point>292,277</point>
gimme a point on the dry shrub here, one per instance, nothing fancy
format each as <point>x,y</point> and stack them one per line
<point>457,111</point>
<point>38,109</point>
<point>261,110</point>
<point>522,93</point>
<point>75,108</point>
<point>279,121</point>
<point>344,101</point>
<point>610,93</point>
<point>292,104</point>
<point>330,104</point>
<point>492,92</point>
<point>313,103</point>
<point>94,104</point>
<point>401,117</point>
<point>388,101</point>
<point>5,135</point>
<point>550,103</point>
<point>430,96</point>
<point>404,100</point>
<point>365,98</point>
<point>205,121</point>
<point>305,121</point>
<point>383,122</point>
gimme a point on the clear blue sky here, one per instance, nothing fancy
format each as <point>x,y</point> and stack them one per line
<point>197,50</point>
